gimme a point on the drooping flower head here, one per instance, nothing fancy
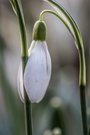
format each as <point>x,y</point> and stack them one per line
<point>38,68</point>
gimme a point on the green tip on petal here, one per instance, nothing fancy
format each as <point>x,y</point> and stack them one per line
<point>39,31</point>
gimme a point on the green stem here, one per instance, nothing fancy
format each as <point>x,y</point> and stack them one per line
<point>16,4</point>
<point>83,109</point>
<point>28,118</point>
<point>54,13</point>
<point>73,29</point>
<point>27,104</point>
<point>24,52</point>
<point>68,21</point>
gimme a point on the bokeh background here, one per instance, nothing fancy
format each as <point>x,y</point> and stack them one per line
<point>61,105</point>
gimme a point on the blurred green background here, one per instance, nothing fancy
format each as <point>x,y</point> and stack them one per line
<point>61,105</point>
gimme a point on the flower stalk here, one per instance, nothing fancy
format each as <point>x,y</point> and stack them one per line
<point>16,4</point>
<point>69,22</point>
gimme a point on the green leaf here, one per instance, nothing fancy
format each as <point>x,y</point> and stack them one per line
<point>17,7</point>
<point>13,6</point>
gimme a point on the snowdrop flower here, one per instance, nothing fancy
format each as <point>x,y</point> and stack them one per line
<point>38,68</point>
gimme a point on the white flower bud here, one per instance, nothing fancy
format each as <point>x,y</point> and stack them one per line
<point>37,72</point>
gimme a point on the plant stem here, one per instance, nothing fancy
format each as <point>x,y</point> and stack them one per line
<point>83,110</point>
<point>16,4</point>
<point>28,120</point>
<point>27,110</point>
<point>27,105</point>
<point>54,13</point>
<point>69,22</point>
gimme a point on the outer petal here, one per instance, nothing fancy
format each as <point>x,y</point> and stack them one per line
<point>20,83</point>
<point>20,76</point>
<point>38,71</point>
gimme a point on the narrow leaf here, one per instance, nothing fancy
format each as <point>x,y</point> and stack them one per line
<point>13,6</point>
<point>17,7</point>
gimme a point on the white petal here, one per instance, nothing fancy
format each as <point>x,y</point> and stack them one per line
<point>20,76</point>
<point>38,71</point>
<point>20,83</point>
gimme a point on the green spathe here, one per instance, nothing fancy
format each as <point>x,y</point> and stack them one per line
<point>39,31</point>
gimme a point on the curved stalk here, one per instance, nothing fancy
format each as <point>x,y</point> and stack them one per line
<point>68,21</point>
<point>54,13</point>
<point>73,29</point>
<point>24,52</point>
<point>61,11</point>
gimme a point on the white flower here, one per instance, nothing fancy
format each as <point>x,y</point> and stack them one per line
<point>37,72</point>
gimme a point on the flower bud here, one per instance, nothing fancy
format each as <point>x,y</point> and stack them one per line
<point>38,68</point>
<point>38,71</point>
